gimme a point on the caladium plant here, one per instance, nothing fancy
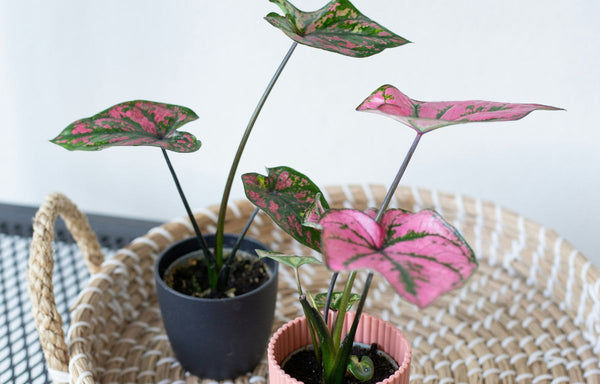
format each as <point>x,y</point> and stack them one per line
<point>140,123</point>
<point>423,116</point>
<point>133,123</point>
<point>338,27</point>
<point>285,195</point>
<point>420,254</point>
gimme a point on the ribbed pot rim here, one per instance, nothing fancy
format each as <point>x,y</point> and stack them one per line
<point>401,374</point>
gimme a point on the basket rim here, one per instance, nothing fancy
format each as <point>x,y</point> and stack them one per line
<point>582,267</point>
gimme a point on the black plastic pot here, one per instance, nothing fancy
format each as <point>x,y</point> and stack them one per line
<point>216,338</point>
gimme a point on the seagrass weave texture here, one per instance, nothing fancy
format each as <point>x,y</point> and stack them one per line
<point>530,313</point>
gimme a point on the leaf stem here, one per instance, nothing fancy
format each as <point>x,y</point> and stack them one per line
<point>361,303</point>
<point>329,295</point>
<point>349,339</point>
<point>392,189</point>
<point>224,273</point>
<point>339,320</point>
<point>384,205</point>
<point>238,156</point>
<point>237,244</point>
<point>298,281</point>
<point>201,241</point>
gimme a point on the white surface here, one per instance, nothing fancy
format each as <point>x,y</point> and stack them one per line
<point>64,60</point>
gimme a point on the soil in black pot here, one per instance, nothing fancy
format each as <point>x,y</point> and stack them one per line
<point>303,366</point>
<point>191,277</point>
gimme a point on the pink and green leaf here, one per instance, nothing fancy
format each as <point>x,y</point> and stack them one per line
<point>419,254</point>
<point>337,27</point>
<point>132,123</point>
<point>292,261</point>
<point>285,195</point>
<point>425,116</point>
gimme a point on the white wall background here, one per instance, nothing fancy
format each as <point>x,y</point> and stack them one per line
<point>65,59</point>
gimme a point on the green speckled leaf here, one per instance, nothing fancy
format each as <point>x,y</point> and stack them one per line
<point>337,27</point>
<point>336,297</point>
<point>289,260</point>
<point>285,195</point>
<point>132,123</point>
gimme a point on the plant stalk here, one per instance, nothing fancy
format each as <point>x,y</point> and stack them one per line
<point>224,273</point>
<point>384,205</point>
<point>299,284</point>
<point>339,320</point>
<point>237,244</point>
<point>329,294</point>
<point>382,209</point>
<point>392,189</point>
<point>238,156</point>
<point>359,309</point>
<point>201,241</point>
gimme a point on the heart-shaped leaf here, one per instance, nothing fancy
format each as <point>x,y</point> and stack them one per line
<point>137,122</point>
<point>285,194</point>
<point>425,116</point>
<point>419,254</point>
<point>363,370</point>
<point>337,27</point>
<point>336,298</point>
<point>289,260</point>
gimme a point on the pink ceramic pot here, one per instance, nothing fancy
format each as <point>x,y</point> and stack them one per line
<point>294,335</point>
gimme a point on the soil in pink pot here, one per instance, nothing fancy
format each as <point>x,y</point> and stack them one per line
<point>303,366</point>
<point>294,336</point>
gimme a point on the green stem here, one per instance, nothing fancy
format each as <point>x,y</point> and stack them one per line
<point>224,273</point>
<point>312,318</point>
<point>392,189</point>
<point>238,156</point>
<point>339,320</point>
<point>298,281</point>
<point>201,241</point>
<point>313,336</point>
<point>237,244</point>
<point>361,303</point>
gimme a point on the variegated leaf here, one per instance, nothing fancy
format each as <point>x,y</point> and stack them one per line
<point>362,369</point>
<point>289,260</point>
<point>336,298</point>
<point>419,254</point>
<point>132,123</point>
<point>337,27</point>
<point>425,116</point>
<point>285,194</point>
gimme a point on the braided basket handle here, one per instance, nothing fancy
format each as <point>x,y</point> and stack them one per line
<point>41,264</point>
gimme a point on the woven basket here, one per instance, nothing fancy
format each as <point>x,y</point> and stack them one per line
<point>530,313</point>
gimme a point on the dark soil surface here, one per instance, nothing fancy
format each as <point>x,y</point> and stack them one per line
<point>247,273</point>
<point>303,366</point>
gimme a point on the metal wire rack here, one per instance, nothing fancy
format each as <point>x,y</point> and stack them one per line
<point>21,358</point>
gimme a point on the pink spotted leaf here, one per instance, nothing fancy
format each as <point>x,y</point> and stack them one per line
<point>337,27</point>
<point>425,116</point>
<point>419,254</point>
<point>285,195</point>
<point>132,123</point>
